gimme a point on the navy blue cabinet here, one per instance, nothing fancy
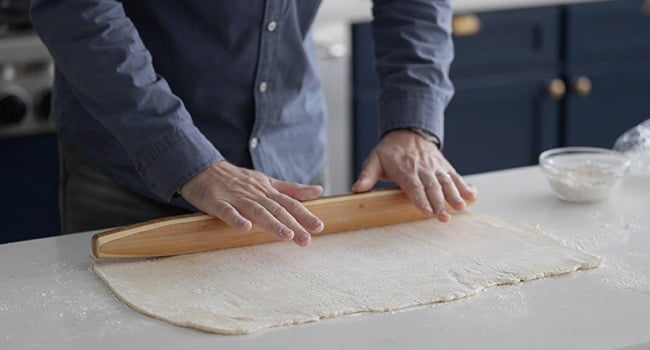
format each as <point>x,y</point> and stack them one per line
<point>500,123</point>
<point>614,98</point>
<point>528,80</point>
<point>609,31</point>
<point>505,42</point>
<point>29,176</point>
<point>607,67</point>
<point>502,115</point>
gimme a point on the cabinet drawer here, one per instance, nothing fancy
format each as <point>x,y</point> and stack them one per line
<point>506,41</point>
<point>606,31</point>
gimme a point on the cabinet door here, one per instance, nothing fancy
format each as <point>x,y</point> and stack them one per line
<point>606,31</point>
<point>500,122</point>
<point>29,176</point>
<point>614,99</point>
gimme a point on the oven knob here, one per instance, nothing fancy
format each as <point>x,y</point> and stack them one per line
<point>43,106</point>
<point>12,109</point>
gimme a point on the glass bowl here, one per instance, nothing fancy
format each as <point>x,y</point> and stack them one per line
<point>583,174</point>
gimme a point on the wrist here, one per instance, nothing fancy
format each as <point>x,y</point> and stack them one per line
<point>424,134</point>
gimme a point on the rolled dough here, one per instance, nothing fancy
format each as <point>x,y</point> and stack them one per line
<point>248,289</point>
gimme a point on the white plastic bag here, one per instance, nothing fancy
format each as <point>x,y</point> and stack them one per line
<point>635,143</point>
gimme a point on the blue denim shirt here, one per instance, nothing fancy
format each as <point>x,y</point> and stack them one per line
<point>155,91</point>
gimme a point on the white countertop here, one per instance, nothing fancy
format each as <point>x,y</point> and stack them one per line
<point>49,299</point>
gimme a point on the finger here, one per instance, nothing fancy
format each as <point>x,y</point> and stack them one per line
<point>296,190</point>
<point>452,196</point>
<point>261,217</point>
<point>301,236</point>
<point>416,192</point>
<point>436,197</point>
<point>226,212</point>
<point>466,191</point>
<point>305,217</point>
<point>369,175</point>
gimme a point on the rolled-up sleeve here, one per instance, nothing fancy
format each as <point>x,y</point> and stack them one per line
<point>98,50</point>
<point>414,50</point>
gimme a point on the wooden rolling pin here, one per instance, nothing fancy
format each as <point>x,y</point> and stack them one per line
<point>194,233</point>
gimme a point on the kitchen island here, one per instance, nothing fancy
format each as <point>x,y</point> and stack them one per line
<point>50,299</point>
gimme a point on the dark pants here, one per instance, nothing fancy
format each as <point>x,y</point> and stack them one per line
<point>91,200</point>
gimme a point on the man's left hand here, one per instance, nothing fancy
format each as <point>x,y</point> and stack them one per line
<point>418,167</point>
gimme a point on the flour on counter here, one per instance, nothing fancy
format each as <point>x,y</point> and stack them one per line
<point>57,299</point>
<point>604,234</point>
<point>623,276</point>
<point>631,227</point>
<point>508,300</point>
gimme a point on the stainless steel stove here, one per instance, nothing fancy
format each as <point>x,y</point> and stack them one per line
<point>26,74</point>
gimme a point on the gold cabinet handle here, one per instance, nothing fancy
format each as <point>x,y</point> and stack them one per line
<point>582,86</point>
<point>556,88</point>
<point>645,9</point>
<point>466,25</point>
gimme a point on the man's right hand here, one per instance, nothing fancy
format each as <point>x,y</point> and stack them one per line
<point>243,197</point>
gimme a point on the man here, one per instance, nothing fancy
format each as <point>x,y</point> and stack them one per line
<point>165,106</point>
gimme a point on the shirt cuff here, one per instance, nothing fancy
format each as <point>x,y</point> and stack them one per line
<point>425,135</point>
<point>174,160</point>
<point>413,111</point>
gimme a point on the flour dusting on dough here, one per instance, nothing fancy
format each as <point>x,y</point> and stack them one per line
<point>248,289</point>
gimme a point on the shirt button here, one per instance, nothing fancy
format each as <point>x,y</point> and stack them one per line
<point>253,143</point>
<point>272,25</point>
<point>263,86</point>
